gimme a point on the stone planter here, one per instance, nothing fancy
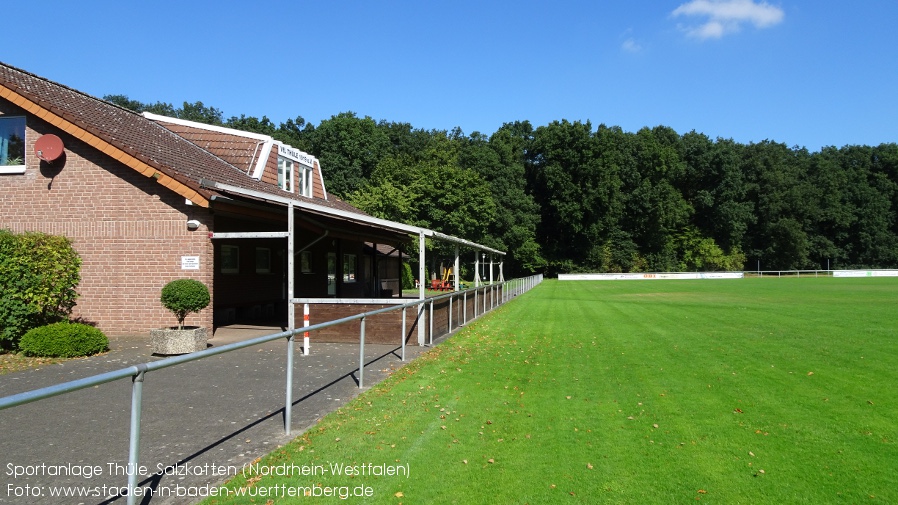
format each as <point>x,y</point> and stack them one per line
<point>175,341</point>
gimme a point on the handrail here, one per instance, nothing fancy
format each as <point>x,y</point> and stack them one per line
<point>138,372</point>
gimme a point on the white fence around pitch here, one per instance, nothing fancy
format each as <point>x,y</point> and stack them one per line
<point>726,275</point>
<point>650,276</point>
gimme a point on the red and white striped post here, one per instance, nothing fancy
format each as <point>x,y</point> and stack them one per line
<point>305,324</point>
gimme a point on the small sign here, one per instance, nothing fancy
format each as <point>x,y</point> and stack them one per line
<point>296,155</point>
<point>190,262</point>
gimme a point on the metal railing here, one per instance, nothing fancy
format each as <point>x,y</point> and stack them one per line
<point>493,296</point>
<point>788,273</point>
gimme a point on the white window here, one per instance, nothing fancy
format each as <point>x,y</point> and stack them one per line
<point>12,145</point>
<point>285,174</point>
<point>305,178</point>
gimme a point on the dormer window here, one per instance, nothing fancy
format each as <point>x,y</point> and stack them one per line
<point>12,145</point>
<point>305,178</point>
<point>285,174</point>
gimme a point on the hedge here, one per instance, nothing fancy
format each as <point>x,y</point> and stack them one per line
<point>38,276</point>
<point>63,340</point>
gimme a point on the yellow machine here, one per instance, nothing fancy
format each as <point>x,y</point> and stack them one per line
<point>445,284</point>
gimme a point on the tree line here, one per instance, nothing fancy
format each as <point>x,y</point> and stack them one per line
<point>570,197</point>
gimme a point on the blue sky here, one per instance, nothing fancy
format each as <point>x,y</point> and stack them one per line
<point>811,73</point>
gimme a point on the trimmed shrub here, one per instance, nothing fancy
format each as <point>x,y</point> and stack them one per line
<point>63,340</point>
<point>183,296</point>
<point>38,276</point>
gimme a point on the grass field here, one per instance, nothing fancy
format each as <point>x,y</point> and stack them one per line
<point>746,391</point>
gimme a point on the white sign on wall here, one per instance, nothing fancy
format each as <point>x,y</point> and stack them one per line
<point>865,273</point>
<point>190,262</point>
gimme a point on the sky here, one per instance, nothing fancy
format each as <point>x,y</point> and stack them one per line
<point>806,73</point>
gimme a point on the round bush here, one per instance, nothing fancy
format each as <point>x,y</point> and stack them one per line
<point>63,340</point>
<point>183,296</point>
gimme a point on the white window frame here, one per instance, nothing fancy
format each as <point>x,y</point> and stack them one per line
<point>17,168</point>
<point>285,173</point>
<point>305,178</point>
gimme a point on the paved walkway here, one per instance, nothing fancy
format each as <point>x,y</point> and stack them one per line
<point>225,410</point>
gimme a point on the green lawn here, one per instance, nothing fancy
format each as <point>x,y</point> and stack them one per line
<point>745,391</point>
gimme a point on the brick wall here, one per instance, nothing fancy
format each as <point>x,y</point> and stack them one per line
<point>129,231</point>
<point>379,329</point>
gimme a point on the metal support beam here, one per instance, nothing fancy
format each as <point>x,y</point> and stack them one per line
<point>134,449</point>
<point>421,260</point>
<point>457,274</point>
<point>362,353</point>
<point>492,277</point>
<point>252,234</point>
<point>403,333</point>
<point>291,322</point>
<point>476,269</point>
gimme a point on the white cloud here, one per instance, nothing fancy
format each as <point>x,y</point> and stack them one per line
<point>727,16</point>
<point>631,46</point>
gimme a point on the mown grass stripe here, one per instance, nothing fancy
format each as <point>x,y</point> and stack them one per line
<point>750,391</point>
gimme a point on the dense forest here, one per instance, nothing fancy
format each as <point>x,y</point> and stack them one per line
<point>569,197</point>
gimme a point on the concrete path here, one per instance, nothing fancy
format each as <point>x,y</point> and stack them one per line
<point>222,411</point>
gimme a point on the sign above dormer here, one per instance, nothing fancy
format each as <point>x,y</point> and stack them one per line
<point>296,155</point>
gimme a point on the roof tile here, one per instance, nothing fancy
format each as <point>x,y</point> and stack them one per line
<point>184,156</point>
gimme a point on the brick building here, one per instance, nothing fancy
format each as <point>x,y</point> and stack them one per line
<point>147,199</point>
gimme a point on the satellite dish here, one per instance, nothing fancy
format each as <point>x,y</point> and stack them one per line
<point>48,147</point>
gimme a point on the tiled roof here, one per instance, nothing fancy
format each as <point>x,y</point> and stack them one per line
<point>237,150</point>
<point>184,159</point>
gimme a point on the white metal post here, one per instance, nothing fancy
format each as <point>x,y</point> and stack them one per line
<point>449,328</point>
<point>291,314</point>
<point>291,323</point>
<point>491,269</point>
<point>475,303</point>
<point>457,273</point>
<point>134,449</point>
<point>476,269</point>
<point>305,324</point>
<point>362,354</point>
<point>403,333</point>
<point>421,260</point>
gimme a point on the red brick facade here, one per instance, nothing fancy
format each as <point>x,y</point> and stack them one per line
<point>127,186</point>
<point>129,231</point>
